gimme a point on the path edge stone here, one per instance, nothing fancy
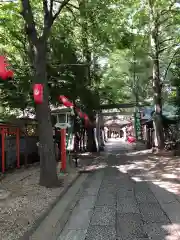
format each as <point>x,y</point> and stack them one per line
<point>36,224</point>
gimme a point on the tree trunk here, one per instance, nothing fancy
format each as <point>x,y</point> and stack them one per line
<point>157,86</point>
<point>85,44</point>
<point>48,173</point>
<point>158,125</point>
<point>91,144</point>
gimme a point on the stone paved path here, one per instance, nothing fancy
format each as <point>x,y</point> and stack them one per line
<point>112,206</point>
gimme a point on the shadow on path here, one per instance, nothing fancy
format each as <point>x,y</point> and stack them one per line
<point>116,202</point>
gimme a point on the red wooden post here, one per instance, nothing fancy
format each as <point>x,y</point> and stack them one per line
<point>63,149</point>
<point>3,150</point>
<point>18,147</point>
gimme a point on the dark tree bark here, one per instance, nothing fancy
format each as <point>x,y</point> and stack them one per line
<point>48,176</point>
<point>38,48</point>
<point>91,144</point>
<point>85,44</point>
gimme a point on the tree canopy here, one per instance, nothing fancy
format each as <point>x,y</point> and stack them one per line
<point>116,37</point>
<point>94,52</point>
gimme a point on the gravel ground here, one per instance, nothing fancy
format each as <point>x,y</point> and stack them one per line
<point>26,201</point>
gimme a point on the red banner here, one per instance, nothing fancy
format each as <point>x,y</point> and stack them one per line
<point>68,103</point>
<point>38,93</point>
<point>65,101</point>
<point>4,72</point>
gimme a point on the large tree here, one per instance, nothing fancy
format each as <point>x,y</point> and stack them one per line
<point>157,22</point>
<point>98,52</point>
<point>72,72</point>
<point>38,39</point>
<point>162,16</point>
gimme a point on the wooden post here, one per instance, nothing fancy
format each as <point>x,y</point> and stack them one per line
<point>3,150</point>
<point>63,149</point>
<point>18,147</point>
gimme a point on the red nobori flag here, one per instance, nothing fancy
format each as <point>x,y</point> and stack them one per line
<point>4,72</point>
<point>38,93</point>
<point>65,101</point>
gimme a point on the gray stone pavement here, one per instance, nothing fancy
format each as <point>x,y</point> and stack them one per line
<point>112,206</point>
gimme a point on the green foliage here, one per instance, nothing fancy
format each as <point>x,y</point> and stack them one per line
<point>112,32</point>
<point>175,82</point>
<point>15,93</point>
